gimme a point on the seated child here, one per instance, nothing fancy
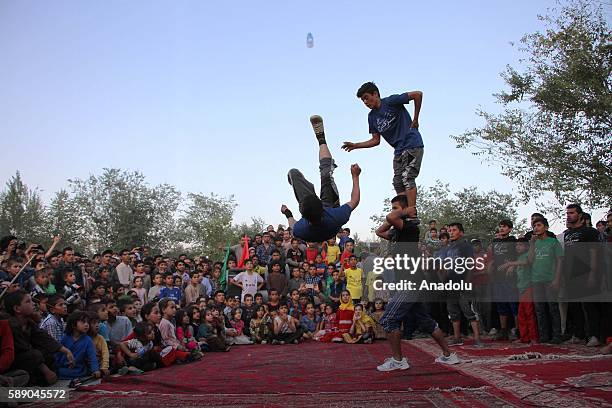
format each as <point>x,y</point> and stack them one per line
<point>362,328</point>
<point>309,322</point>
<point>344,319</point>
<point>167,329</point>
<point>54,322</point>
<point>184,333</point>
<point>213,332</point>
<point>36,360</point>
<point>327,322</point>
<point>238,325</point>
<point>376,315</point>
<point>286,328</point>
<point>80,344</point>
<point>140,350</point>
<point>260,325</point>
<point>102,353</point>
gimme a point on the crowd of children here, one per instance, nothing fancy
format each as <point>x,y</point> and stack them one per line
<point>65,316</point>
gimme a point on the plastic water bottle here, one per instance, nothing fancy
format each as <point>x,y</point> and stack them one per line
<point>309,40</point>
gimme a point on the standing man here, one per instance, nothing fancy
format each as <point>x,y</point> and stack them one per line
<point>502,252</point>
<point>406,304</point>
<point>389,118</point>
<point>582,273</point>
<point>458,302</point>
<point>123,272</point>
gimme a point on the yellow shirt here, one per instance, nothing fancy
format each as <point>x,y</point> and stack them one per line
<point>101,351</point>
<point>353,282</point>
<point>333,253</point>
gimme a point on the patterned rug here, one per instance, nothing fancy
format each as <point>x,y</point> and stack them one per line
<point>562,376</point>
<point>310,374</point>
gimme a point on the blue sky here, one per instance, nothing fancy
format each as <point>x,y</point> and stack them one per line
<point>216,96</point>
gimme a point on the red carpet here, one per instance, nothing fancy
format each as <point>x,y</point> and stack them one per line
<point>338,375</point>
<point>562,376</point>
<point>303,368</point>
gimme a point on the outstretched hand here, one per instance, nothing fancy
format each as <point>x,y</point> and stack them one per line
<point>355,170</point>
<point>348,146</point>
<point>283,208</point>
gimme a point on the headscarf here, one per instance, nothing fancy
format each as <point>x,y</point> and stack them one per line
<point>348,305</point>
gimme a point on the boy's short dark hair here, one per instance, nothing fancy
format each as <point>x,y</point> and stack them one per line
<point>577,207</point>
<point>541,220</point>
<point>311,208</point>
<point>458,225</point>
<point>350,257</point>
<point>95,307</point>
<point>433,229</point>
<point>444,235</point>
<point>368,87</point>
<point>67,272</point>
<point>54,300</point>
<point>107,252</point>
<point>248,295</point>
<point>258,295</point>
<point>506,223</point>
<point>217,292</point>
<point>123,302</point>
<point>14,299</point>
<point>522,239</point>
<point>401,199</point>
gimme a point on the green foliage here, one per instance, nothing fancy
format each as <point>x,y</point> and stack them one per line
<point>21,211</point>
<point>207,223</point>
<point>553,134</point>
<point>118,209</point>
<point>479,212</point>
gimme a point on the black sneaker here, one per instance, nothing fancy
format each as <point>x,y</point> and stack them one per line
<point>555,340</point>
<point>317,125</point>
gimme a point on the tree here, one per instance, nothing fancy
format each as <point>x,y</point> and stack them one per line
<point>22,211</point>
<point>62,218</point>
<point>118,209</point>
<point>206,224</point>
<point>553,134</point>
<point>257,226</point>
<point>479,212</point>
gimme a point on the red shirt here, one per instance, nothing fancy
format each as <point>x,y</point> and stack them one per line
<point>7,348</point>
<point>311,254</point>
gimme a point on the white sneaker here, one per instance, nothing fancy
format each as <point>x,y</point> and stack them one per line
<point>451,359</point>
<point>391,364</point>
<point>593,342</point>
<point>493,332</point>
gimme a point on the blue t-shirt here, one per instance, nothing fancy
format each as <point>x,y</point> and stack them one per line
<point>174,294</point>
<point>393,122</point>
<point>333,219</point>
<point>459,249</point>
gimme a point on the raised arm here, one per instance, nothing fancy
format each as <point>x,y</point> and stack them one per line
<point>417,97</point>
<point>52,247</point>
<point>287,213</point>
<point>355,194</point>
<point>374,141</point>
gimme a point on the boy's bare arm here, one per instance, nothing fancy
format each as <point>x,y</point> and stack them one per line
<point>374,141</point>
<point>417,97</point>
<point>355,194</point>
